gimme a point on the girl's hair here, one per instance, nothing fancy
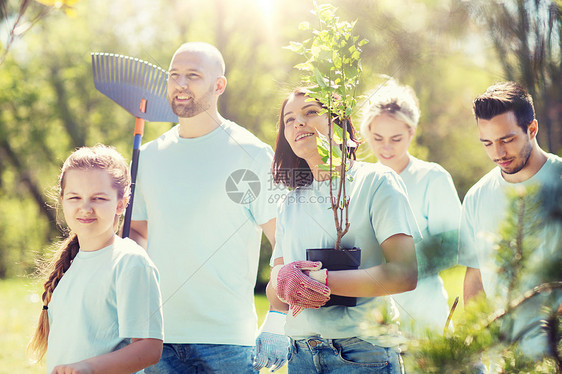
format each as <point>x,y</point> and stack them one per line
<point>289,169</point>
<point>398,101</point>
<point>99,157</point>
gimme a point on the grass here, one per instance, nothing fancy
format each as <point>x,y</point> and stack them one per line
<point>20,306</point>
<point>19,309</point>
<point>453,280</point>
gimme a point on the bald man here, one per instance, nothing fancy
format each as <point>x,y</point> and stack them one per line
<point>200,207</point>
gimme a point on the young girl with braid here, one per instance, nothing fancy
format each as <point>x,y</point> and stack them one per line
<point>102,303</point>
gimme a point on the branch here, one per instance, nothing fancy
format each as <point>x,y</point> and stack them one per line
<point>12,35</point>
<point>545,287</point>
<point>554,337</point>
<point>552,327</point>
<point>27,179</point>
<point>77,133</point>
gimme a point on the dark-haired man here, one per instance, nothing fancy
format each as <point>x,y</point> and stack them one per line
<point>508,131</point>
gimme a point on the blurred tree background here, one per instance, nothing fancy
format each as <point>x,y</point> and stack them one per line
<point>449,51</point>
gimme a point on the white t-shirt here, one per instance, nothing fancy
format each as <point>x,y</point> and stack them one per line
<point>437,208</point>
<point>204,199</point>
<point>484,209</point>
<point>378,209</point>
<point>105,297</point>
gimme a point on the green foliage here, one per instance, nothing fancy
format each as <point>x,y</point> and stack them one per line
<point>18,15</point>
<point>333,68</point>
<point>457,352</point>
<point>436,253</point>
<point>333,62</point>
<point>20,302</point>
<point>486,327</point>
<point>67,6</point>
<point>518,239</point>
<point>48,104</point>
<point>434,47</point>
<point>527,38</point>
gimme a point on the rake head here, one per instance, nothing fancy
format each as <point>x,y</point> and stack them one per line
<point>128,80</point>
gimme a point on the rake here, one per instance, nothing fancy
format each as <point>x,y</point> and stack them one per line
<point>140,88</point>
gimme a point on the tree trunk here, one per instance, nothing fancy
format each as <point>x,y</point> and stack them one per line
<point>28,180</point>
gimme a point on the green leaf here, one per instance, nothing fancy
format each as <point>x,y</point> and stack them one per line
<point>322,146</point>
<point>336,161</point>
<point>318,77</point>
<point>338,134</point>
<point>336,153</point>
<point>325,55</point>
<point>306,66</point>
<point>322,142</point>
<point>304,26</point>
<point>334,65</point>
<point>295,47</point>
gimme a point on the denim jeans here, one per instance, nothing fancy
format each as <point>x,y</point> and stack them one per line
<point>343,356</point>
<point>204,358</point>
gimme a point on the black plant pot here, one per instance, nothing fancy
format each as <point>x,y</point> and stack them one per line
<point>332,259</point>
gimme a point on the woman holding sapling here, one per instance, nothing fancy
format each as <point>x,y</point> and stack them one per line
<point>381,225</point>
<point>389,126</point>
<point>102,304</point>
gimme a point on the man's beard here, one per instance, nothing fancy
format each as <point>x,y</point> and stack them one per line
<point>194,106</point>
<point>524,157</point>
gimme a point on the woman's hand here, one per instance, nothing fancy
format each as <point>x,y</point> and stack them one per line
<point>297,289</point>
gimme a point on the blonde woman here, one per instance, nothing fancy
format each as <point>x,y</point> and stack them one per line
<point>389,125</point>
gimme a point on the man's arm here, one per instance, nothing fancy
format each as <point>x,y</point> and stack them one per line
<point>274,303</point>
<point>272,346</point>
<point>472,284</point>
<point>139,232</point>
<point>269,231</point>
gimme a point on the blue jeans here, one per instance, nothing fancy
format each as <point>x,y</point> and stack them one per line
<point>343,356</point>
<point>204,358</point>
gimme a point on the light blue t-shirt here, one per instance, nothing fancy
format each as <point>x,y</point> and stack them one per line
<point>378,209</point>
<point>437,208</point>
<point>204,199</point>
<point>105,297</point>
<point>484,209</point>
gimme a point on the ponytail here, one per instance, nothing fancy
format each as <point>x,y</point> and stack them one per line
<point>37,347</point>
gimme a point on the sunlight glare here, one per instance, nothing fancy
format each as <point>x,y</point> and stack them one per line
<point>266,7</point>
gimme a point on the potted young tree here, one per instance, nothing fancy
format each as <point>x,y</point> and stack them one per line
<point>333,67</point>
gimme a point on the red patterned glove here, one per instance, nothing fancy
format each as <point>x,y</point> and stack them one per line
<point>298,290</point>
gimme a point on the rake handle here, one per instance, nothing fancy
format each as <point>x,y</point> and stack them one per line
<point>139,132</point>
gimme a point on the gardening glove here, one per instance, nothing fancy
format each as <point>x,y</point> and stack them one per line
<point>297,289</point>
<point>318,275</point>
<point>272,346</point>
